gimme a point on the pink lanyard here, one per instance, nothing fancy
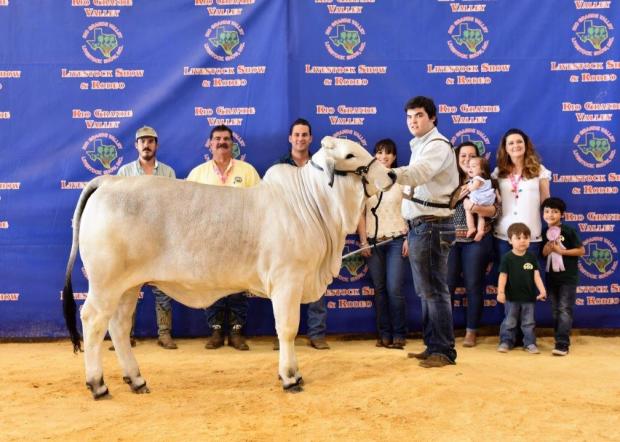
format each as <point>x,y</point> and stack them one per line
<point>514,183</point>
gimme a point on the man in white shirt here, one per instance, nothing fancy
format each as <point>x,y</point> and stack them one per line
<point>432,176</point>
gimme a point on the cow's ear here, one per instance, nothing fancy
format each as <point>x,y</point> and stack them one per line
<point>330,167</point>
<point>328,142</point>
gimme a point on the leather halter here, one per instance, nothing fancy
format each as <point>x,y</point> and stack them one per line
<point>361,171</point>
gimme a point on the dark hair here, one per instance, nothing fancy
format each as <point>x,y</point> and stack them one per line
<point>388,146</point>
<point>221,128</point>
<point>531,161</point>
<point>519,229</point>
<point>427,103</point>
<point>485,168</point>
<point>554,203</point>
<point>300,121</point>
<point>457,152</point>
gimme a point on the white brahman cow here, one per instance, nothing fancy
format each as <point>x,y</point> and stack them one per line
<point>282,239</point>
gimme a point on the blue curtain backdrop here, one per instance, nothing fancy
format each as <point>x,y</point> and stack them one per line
<point>78,77</point>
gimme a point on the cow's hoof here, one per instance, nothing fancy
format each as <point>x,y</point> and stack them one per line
<point>297,387</point>
<point>142,389</point>
<point>105,394</point>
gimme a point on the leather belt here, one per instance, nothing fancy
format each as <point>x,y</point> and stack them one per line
<point>427,219</point>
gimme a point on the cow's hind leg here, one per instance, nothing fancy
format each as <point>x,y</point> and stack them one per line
<point>119,328</point>
<point>95,316</point>
<point>286,313</point>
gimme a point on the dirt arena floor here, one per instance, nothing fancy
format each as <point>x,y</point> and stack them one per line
<point>353,392</point>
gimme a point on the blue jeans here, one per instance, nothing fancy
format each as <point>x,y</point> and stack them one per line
<point>317,318</point>
<point>386,271</point>
<point>470,259</point>
<point>562,302</point>
<point>516,311</point>
<point>234,306</point>
<point>429,246</point>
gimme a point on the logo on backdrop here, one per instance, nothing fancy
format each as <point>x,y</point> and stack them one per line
<point>354,267</point>
<point>468,37</point>
<point>599,261</point>
<point>102,42</point>
<point>592,34</point>
<point>238,144</point>
<point>593,147</point>
<point>224,40</point>
<point>345,39</point>
<point>351,134</point>
<point>476,136</point>
<point>102,154</point>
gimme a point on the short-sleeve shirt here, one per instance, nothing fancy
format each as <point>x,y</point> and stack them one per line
<point>520,286</point>
<point>570,240</point>
<point>135,169</point>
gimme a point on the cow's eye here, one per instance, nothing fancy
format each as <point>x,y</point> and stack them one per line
<point>348,157</point>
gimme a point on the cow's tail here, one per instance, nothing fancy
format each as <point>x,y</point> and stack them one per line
<point>68,301</point>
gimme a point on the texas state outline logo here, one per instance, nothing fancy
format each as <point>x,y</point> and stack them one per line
<point>101,154</point>
<point>475,136</point>
<point>345,39</point>
<point>225,40</point>
<point>600,260</point>
<point>468,37</point>
<point>594,147</point>
<point>102,42</point>
<point>593,34</point>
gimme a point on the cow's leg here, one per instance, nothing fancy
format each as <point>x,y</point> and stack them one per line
<point>95,316</point>
<point>119,328</point>
<point>286,313</point>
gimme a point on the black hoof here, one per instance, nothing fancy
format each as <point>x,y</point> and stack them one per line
<point>142,389</point>
<point>103,395</point>
<point>297,387</point>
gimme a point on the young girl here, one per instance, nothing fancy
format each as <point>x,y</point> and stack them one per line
<point>481,192</point>
<point>386,262</point>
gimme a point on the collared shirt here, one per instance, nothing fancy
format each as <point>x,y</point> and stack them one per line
<point>288,159</point>
<point>432,173</point>
<point>237,174</point>
<point>134,169</point>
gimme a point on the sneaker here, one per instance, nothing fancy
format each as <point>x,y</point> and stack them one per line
<point>559,351</point>
<point>503,348</point>
<point>532,349</point>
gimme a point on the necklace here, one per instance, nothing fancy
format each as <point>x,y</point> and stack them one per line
<point>514,184</point>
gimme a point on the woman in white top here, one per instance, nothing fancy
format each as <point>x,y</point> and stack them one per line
<point>386,262</point>
<point>523,185</point>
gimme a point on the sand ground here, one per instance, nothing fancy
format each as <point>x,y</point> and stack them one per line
<point>353,392</point>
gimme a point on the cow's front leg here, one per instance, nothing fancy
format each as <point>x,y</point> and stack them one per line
<point>286,313</point>
<point>120,328</point>
<point>94,319</point>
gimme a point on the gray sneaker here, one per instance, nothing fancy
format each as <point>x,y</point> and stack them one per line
<point>503,348</point>
<point>559,351</point>
<point>532,349</point>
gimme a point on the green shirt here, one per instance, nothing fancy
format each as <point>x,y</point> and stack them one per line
<point>520,286</point>
<point>570,276</point>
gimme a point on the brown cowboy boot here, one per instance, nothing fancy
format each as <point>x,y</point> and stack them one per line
<point>217,338</point>
<point>470,339</point>
<point>164,325</point>
<point>236,339</point>
<point>319,343</point>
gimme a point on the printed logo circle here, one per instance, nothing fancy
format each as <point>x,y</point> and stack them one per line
<point>224,40</point>
<point>354,267</point>
<point>238,144</point>
<point>102,42</point>
<point>594,147</point>
<point>600,261</point>
<point>101,154</point>
<point>593,34</point>
<point>473,135</point>
<point>345,39</point>
<point>468,37</point>
<point>351,134</point>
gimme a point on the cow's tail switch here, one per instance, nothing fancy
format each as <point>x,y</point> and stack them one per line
<point>68,301</point>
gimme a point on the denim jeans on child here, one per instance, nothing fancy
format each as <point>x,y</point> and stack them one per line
<point>429,246</point>
<point>562,302</point>
<point>508,330</point>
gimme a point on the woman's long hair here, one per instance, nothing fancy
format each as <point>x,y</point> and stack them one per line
<point>531,160</point>
<point>457,151</point>
<point>388,146</point>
